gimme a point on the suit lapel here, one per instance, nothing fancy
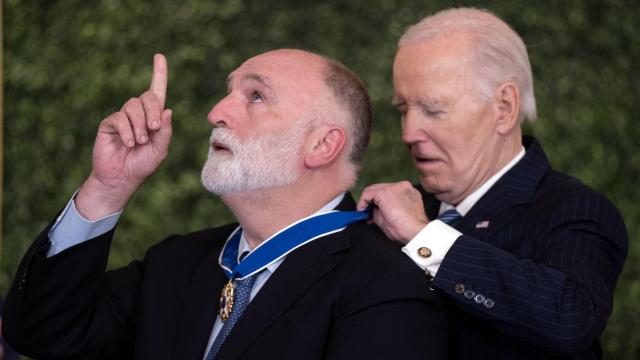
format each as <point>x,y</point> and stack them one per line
<point>299,272</point>
<point>489,214</point>
<point>200,308</point>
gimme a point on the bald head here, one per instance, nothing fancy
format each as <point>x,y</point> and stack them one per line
<point>496,52</point>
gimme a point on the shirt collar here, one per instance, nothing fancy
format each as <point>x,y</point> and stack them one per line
<point>465,205</point>
<point>244,245</point>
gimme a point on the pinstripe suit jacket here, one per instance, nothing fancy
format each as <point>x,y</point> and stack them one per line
<point>532,276</point>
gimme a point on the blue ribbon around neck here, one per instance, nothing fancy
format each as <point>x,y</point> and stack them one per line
<point>284,241</point>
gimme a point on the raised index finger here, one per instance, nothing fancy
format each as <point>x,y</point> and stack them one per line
<point>159,79</point>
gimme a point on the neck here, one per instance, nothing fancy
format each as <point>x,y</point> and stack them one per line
<point>511,146</point>
<point>262,213</point>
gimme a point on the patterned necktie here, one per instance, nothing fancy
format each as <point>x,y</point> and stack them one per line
<point>450,217</point>
<point>242,296</point>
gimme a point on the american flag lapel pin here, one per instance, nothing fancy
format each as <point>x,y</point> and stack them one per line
<point>482,224</point>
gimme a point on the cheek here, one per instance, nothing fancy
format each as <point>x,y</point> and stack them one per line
<point>467,139</point>
<point>451,142</point>
<point>470,158</point>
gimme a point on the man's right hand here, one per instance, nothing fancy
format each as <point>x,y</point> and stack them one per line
<point>398,209</point>
<point>130,145</point>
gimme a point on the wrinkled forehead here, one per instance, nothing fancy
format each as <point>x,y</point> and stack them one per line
<point>287,71</point>
<point>438,59</point>
<point>440,50</point>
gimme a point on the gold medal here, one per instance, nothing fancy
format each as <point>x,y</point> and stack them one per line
<point>226,300</point>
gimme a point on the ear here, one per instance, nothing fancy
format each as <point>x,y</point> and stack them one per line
<point>327,144</point>
<point>508,107</point>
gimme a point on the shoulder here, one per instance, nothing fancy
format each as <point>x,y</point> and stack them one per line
<point>567,209</point>
<point>370,246</point>
<point>566,196</point>
<point>379,263</point>
<point>556,191</point>
<point>191,246</point>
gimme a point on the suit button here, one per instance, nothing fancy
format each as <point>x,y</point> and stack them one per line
<point>469,294</point>
<point>424,252</point>
<point>489,303</point>
<point>459,289</point>
<point>479,299</point>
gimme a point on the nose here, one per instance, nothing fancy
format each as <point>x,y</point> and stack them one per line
<point>222,113</point>
<point>413,130</point>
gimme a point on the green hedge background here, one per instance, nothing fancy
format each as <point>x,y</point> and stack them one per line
<point>69,63</point>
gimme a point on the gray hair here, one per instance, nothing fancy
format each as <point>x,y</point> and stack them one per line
<point>498,54</point>
<point>351,94</point>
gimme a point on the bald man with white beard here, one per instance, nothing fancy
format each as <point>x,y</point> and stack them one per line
<point>300,276</point>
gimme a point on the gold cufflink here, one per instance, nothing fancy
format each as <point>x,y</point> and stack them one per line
<point>424,252</point>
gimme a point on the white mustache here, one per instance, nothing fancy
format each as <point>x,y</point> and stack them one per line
<point>224,137</point>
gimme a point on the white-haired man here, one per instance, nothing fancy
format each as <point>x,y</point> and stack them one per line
<point>302,281</point>
<point>527,256</point>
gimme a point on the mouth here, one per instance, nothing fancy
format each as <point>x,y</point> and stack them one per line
<point>218,146</point>
<point>425,160</point>
<point>427,164</point>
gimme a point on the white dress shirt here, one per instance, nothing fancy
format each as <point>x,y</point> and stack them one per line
<point>438,236</point>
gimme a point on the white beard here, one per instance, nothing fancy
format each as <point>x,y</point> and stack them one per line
<point>266,162</point>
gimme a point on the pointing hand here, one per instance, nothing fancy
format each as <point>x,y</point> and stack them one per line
<point>130,145</point>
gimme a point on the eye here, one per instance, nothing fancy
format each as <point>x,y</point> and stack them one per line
<point>428,111</point>
<point>255,97</point>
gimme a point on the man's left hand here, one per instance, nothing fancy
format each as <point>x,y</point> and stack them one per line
<point>398,209</point>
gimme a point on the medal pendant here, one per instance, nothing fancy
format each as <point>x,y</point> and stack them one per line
<point>226,300</point>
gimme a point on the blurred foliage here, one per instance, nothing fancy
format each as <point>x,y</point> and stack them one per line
<point>69,63</point>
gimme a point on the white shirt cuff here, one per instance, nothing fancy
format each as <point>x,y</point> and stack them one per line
<point>71,228</point>
<point>437,237</point>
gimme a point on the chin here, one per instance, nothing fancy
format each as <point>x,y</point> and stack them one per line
<point>435,187</point>
<point>430,185</point>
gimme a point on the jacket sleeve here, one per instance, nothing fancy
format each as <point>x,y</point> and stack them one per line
<point>560,294</point>
<point>67,306</point>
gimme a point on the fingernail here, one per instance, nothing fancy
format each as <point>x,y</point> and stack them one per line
<point>155,125</point>
<point>130,143</point>
<point>143,139</point>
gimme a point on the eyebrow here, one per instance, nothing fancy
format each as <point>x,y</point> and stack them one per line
<point>432,101</point>
<point>251,76</point>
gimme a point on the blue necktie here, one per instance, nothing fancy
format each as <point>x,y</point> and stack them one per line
<point>242,296</point>
<point>450,217</point>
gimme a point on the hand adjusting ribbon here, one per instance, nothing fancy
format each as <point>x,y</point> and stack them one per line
<point>276,247</point>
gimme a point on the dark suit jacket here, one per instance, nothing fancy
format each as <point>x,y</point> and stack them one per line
<point>546,251</point>
<point>349,295</point>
